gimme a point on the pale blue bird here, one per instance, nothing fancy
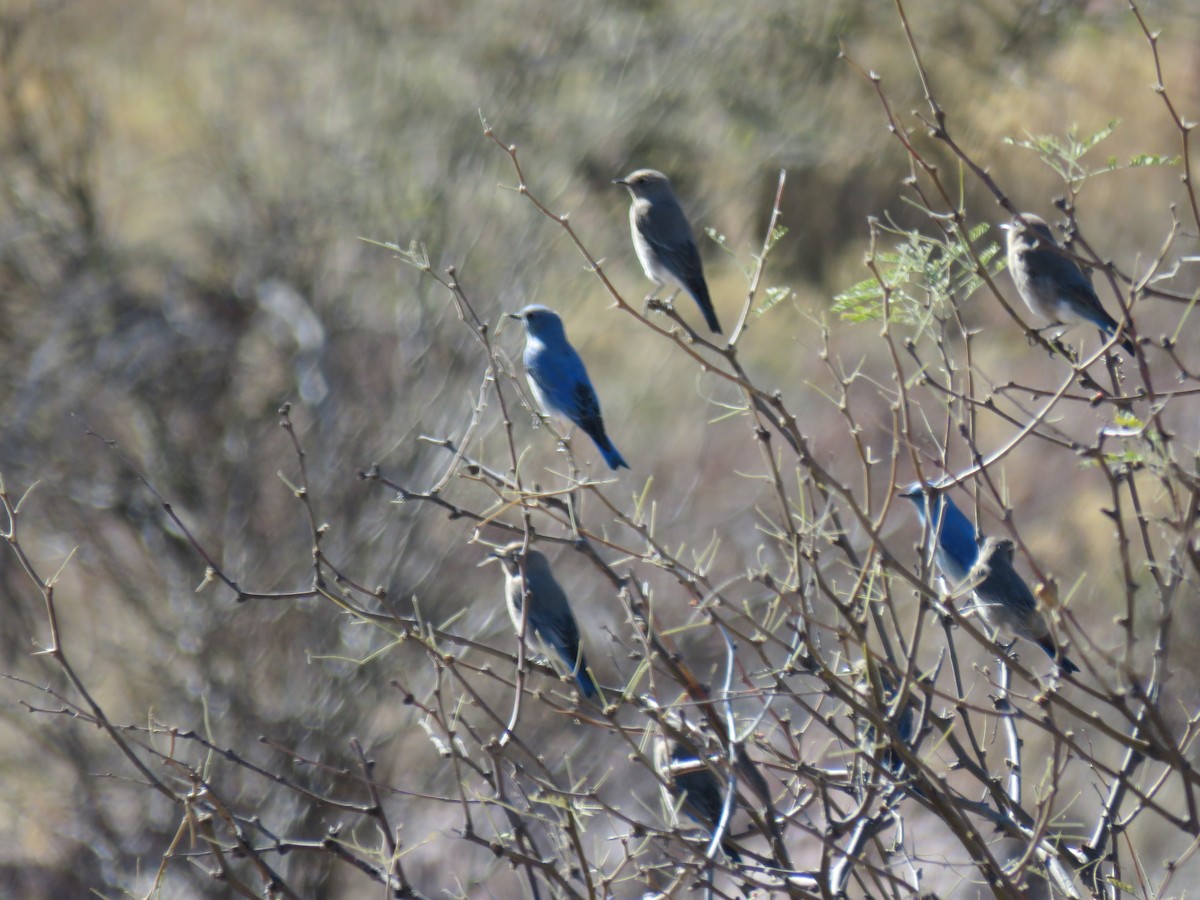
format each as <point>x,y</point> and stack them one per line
<point>559,381</point>
<point>1051,284</point>
<point>550,616</point>
<point>662,239</point>
<point>689,783</point>
<point>904,720</point>
<point>1002,598</point>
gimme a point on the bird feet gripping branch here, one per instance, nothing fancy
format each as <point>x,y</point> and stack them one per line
<point>654,303</point>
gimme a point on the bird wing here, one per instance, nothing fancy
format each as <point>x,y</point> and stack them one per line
<point>956,546</point>
<point>587,408</point>
<point>680,257</point>
<point>563,635</point>
<point>1055,275</point>
<point>552,619</point>
<point>701,790</point>
<point>1005,588</point>
<point>560,376</point>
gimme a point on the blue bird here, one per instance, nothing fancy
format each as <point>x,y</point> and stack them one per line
<point>550,616</point>
<point>691,781</point>
<point>1051,284</point>
<point>662,239</point>
<point>559,381</point>
<point>1002,598</point>
<point>905,722</point>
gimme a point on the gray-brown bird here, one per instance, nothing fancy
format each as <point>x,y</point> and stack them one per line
<point>662,239</point>
<point>1051,284</point>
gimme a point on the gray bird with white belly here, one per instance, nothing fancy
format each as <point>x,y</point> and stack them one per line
<point>549,616</point>
<point>1051,284</point>
<point>662,239</point>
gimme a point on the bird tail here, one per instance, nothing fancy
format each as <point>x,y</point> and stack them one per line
<point>579,667</point>
<point>1108,327</point>
<point>612,456</point>
<point>1109,330</point>
<point>1064,662</point>
<point>585,680</point>
<point>704,301</point>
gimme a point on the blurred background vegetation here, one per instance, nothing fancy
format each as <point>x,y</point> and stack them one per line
<point>183,189</point>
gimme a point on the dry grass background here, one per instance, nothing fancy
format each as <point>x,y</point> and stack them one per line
<point>183,188</point>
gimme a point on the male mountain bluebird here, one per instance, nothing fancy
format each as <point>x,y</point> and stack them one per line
<point>1002,598</point>
<point>662,239</point>
<point>690,779</point>
<point>550,615</point>
<point>1052,285</point>
<point>559,381</point>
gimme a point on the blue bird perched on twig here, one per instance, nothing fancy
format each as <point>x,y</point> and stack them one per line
<point>549,616</point>
<point>1051,284</point>
<point>690,782</point>
<point>662,239</point>
<point>1002,597</point>
<point>905,720</point>
<point>559,380</point>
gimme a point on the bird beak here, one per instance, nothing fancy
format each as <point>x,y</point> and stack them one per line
<point>512,316</point>
<point>621,181</point>
<point>490,558</point>
<point>1006,226</point>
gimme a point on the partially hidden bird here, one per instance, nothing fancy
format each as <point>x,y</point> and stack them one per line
<point>1002,597</point>
<point>662,239</point>
<point>549,616</point>
<point>1051,284</point>
<point>690,783</point>
<point>559,381</point>
<point>904,721</point>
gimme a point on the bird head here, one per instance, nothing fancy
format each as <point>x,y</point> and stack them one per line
<point>994,548</point>
<point>648,183</point>
<point>540,321</point>
<point>509,556</point>
<point>920,499</point>
<point>1027,231</point>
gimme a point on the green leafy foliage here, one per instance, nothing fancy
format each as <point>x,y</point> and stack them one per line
<point>920,275</point>
<point>1064,155</point>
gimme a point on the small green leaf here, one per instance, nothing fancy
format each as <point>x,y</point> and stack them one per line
<point>1152,159</point>
<point>772,296</point>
